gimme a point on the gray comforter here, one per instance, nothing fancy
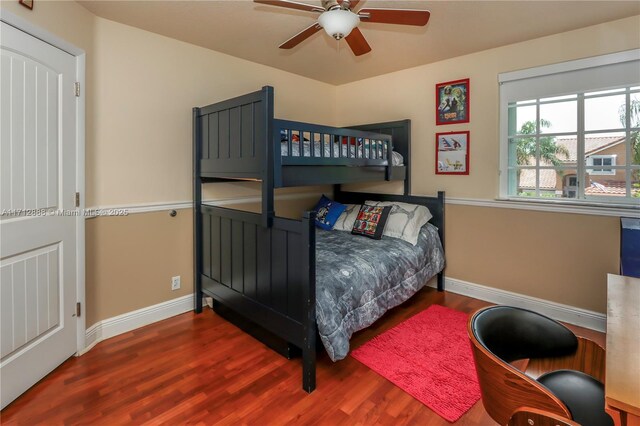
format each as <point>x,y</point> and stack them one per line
<point>358,279</point>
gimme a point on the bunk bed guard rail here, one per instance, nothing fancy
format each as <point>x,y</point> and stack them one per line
<point>239,139</point>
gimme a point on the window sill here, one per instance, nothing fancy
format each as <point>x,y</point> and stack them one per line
<point>588,208</point>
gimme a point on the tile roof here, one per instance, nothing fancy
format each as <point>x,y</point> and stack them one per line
<point>528,179</point>
<point>591,145</point>
<point>617,188</point>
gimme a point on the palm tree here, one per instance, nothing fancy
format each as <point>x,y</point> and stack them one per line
<point>550,151</point>
<point>634,110</point>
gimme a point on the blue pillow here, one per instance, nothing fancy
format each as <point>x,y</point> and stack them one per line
<point>328,212</point>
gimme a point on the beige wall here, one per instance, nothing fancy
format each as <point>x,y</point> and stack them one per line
<point>147,87</point>
<point>131,259</point>
<point>553,256</point>
<point>558,257</point>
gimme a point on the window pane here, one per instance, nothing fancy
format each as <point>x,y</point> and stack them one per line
<point>559,117</point>
<point>604,149</point>
<point>604,112</point>
<point>635,110</point>
<point>555,151</point>
<point>635,147</point>
<point>569,184</point>
<point>526,183</point>
<point>550,183</point>
<point>512,181</point>
<point>522,151</point>
<point>522,120</point>
<point>635,183</point>
<point>607,185</point>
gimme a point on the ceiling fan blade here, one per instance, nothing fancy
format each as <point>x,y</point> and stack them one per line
<point>357,42</point>
<point>291,5</point>
<point>395,16</point>
<point>301,36</point>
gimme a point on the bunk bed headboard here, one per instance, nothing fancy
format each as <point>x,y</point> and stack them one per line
<point>232,141</point>
<point>401,134</point>
<point>434,204</point>
<point>232,135</point>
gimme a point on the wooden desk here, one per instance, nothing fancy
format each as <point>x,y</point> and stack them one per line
<point>622,383</point>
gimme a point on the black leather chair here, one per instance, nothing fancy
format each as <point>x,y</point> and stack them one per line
<point>566,391</point>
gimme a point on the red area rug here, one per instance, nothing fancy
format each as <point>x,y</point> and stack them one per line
<point>429,357</point>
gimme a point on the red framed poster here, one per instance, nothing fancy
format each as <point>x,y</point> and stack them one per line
<point>452,102</point>
<point>452,153</point>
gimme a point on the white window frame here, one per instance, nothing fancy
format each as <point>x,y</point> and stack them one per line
<point>583,75</point>
<point>601,166</point>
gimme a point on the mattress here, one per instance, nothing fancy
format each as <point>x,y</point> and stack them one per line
<point>358,279</point>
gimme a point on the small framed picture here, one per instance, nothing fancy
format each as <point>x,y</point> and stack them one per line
<point>27,3</point>
<point>452,153</point>
<point>452,102</point>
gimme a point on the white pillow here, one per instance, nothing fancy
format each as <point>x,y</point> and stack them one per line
<point>347,218</point>
<point>405,220</point>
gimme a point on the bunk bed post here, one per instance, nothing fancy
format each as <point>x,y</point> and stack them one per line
<point>441,232</point>
<point>309,296</point>
<point>268,171</point>
<point>407,159</point>
<point>389,169</point>
<point>197,213</point>
<point>337,192</point>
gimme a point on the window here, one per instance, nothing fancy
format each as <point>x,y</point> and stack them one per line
<point>571,131</point>
<point>603,161</point>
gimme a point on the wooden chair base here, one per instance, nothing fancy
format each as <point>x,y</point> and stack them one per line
<point>527,416</point>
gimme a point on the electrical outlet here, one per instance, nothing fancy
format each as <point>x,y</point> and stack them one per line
<point>175,283</point>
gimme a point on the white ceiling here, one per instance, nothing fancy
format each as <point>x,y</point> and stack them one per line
<point>252,31</point>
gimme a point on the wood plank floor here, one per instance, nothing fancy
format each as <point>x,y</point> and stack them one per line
<point>200,369</point>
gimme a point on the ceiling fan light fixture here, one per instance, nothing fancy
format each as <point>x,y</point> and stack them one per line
<point>338,23</point>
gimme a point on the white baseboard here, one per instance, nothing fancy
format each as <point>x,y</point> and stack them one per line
<point>569,314</point>
<point>131,320</point>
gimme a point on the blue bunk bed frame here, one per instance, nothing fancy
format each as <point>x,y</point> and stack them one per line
<point>273,296</point>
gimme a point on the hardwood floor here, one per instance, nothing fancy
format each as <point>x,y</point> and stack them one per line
<point>200,369</point>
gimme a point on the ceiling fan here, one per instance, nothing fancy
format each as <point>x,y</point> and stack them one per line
<point>339,21</point>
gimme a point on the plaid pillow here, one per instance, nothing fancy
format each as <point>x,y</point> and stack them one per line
<point>371,221</point>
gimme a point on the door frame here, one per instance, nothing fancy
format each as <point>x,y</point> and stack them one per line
<point>80,55</point>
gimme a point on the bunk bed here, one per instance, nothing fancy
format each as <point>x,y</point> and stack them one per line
<point>260,269</point>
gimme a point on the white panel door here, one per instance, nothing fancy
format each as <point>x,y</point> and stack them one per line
<point>37,200</point>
